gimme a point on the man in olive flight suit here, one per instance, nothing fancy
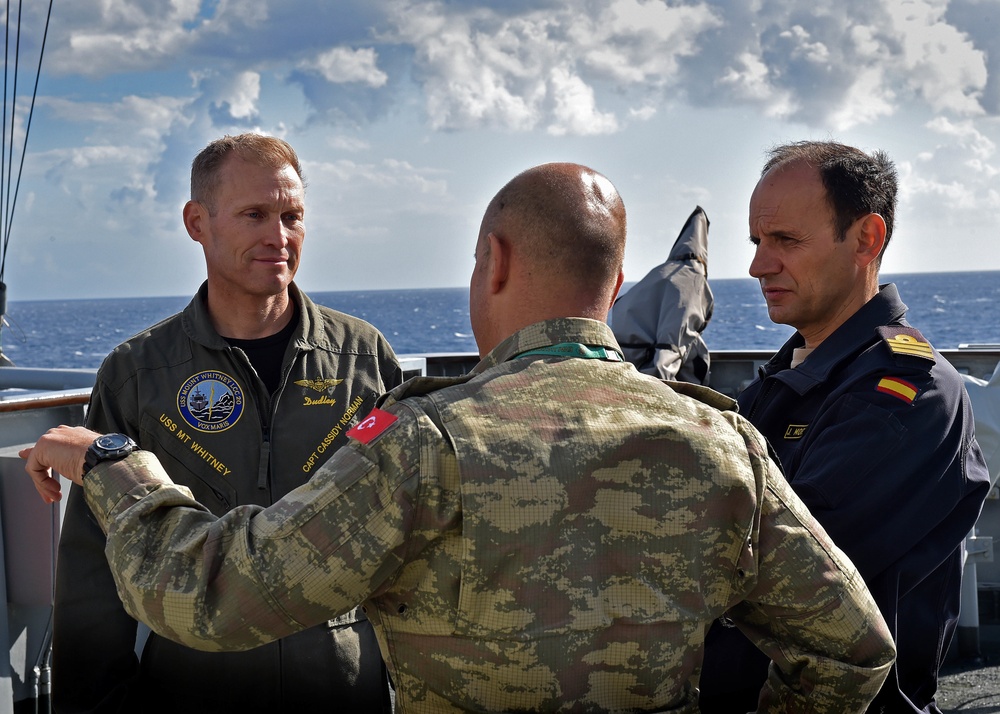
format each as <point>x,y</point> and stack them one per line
<point>242,396</point>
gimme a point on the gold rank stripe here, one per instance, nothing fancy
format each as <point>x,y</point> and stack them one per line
<point>909,345</point>
<point>897,387</point>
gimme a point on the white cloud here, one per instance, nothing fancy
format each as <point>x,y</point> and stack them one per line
<point>348,143</point>
<point>97,37</point>
<point>982,167</point>
<point>418,92</point>
<point>490,75</point>
<point>575,111</point>
<point>967,134</point>
<point>956,176</point>
<point>993,199</point>
<point>748,79</point>
<point>342,64</point>
<point>865,101</point>
<point>804,48</point>
<point>86,157</point>
<point>637,42</point>
<point>129,117</point>
<point>108,189</point>
<point>384,174</point>
<point>956,195</point>
<point>502,66</point>
<point>938,61</point>
<point>480,67</point>
<point>642,113</point>
<point>240,95</point>
<point>840,65</point>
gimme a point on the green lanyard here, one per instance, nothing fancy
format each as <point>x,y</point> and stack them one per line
<point>575,349</point>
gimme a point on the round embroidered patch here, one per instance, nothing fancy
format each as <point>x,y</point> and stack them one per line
<point>210,401</point>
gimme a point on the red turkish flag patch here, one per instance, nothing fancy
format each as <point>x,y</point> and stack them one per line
<point>372,426</point>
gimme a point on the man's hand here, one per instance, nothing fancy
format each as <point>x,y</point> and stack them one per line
<point>63,449</point>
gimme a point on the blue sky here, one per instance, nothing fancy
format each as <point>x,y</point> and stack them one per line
<point>410,115</point>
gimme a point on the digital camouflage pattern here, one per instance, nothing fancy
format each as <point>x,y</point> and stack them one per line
<point>544,534</point>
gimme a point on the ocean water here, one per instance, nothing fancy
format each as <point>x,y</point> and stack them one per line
<point>950,309</point>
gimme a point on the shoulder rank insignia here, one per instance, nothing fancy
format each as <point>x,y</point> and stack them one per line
<point>906,341</point>
<point>899,388</point>
<point>319,385</point>
<point>372,426</point>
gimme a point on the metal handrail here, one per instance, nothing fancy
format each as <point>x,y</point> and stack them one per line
<point>44,400</point>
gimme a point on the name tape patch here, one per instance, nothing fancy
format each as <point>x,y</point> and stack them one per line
<point>795,431</point>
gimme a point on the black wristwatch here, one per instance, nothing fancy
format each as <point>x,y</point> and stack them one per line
<point>109,447</point>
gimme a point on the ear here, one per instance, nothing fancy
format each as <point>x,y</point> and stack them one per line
<point>195,214</point>
<point>871,239</point>
<point>499,262</point>
<point>618,286</point>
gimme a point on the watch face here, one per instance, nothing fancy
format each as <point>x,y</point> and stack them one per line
<point>112,442</point>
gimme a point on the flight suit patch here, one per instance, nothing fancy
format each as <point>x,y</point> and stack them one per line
<point>210,401</point>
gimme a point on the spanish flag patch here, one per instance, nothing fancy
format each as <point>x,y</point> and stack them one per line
<point>899,388</point>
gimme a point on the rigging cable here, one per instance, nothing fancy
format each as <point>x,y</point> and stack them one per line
<point>8,198</point>
<point>3,149</point>
<point>11,200</point>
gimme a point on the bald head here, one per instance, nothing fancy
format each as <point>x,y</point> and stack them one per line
<point>560,229</point>
<point>567,220</point>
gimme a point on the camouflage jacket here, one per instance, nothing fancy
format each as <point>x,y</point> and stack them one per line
<point>548,533</point>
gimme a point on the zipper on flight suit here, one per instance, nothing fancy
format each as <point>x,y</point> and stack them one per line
<point>264,409</point>
<point>272,409</point>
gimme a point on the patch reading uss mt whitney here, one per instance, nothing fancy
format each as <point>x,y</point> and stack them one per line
<point>203,453</point>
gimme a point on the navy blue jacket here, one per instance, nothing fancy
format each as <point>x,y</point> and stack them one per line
<point>875,433</point>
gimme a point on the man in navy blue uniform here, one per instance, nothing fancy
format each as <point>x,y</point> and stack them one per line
<point>872,426</point>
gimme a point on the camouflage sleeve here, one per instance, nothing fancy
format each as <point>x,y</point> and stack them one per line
<point>808,609</point>
<point>254,575</point>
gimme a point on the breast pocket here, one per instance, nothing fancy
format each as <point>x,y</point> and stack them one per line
<point>848,448</point>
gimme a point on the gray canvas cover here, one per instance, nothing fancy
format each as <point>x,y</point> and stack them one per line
<point>659,321</point>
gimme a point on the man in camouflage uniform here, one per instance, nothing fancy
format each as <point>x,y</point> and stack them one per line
<point>552,532</point>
